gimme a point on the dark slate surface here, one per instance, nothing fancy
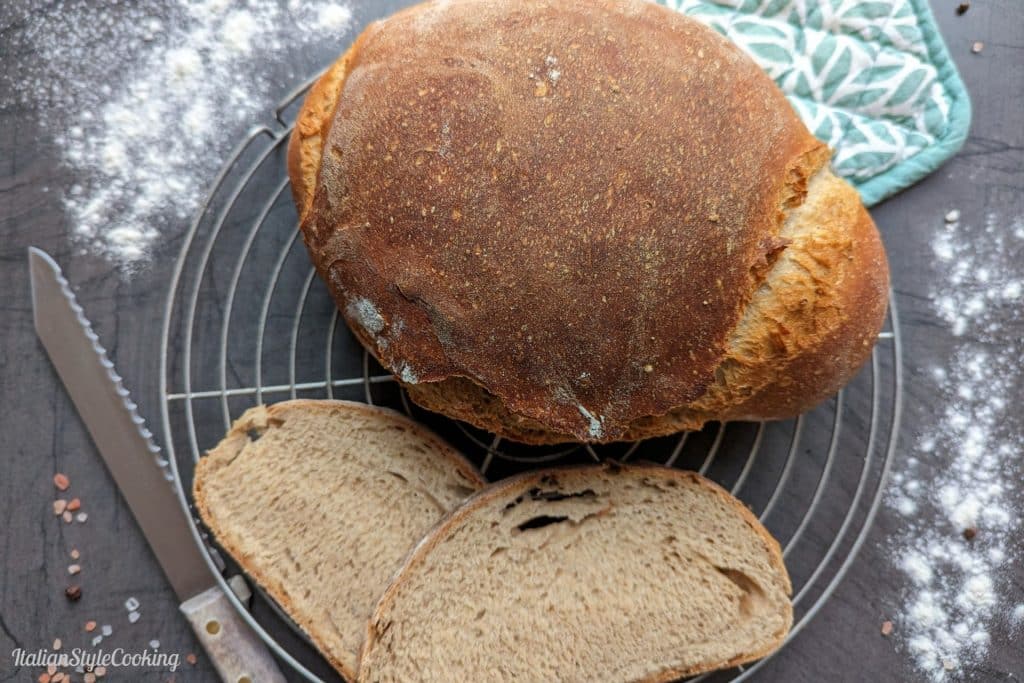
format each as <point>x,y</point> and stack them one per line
<point>40,432</point>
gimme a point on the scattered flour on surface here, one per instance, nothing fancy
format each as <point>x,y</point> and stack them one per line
<point>144,102</point>
<point>332,16</point>
<point>955,566</point>
<point>366,314</point>
<point>596,426</point>
<point>407,374</point>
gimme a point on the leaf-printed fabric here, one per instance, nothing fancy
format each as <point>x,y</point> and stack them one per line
<point>872,79</point>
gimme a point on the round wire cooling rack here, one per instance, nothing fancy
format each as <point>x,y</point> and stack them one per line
<point>246,322</point>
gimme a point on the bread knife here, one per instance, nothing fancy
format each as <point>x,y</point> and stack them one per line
<point>142,475</point>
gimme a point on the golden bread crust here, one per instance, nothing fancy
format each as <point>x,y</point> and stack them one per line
<point>311,125</point>
<point>553,218</point>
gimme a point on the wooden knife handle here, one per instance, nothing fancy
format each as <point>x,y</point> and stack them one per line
<point>235,650</point>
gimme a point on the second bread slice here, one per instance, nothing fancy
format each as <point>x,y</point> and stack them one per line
<point>319,501</point>
<point>599,573</point>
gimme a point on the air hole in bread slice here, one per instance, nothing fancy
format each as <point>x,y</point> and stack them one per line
<point>540,522</point>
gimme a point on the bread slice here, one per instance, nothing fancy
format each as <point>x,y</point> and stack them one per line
<point>605,573</point>
<point>320,501</point>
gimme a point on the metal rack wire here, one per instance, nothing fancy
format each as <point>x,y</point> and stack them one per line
<point>241,322</point>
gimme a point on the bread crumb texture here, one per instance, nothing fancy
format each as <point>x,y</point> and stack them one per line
<point>597,573</point>
<point>320,501</point>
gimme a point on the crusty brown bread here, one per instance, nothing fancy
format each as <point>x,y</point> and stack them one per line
<point>320,501</point>
<point>589,221</point>
<point>600,573</point>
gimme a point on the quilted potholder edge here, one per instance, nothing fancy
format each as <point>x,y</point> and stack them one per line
<point>858,74</point>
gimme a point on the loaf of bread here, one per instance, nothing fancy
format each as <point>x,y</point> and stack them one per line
<point>588,574</point>
<point>320,501</point>
<point>587,221</point>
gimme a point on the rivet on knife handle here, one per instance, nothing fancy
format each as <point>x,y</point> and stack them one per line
<point>237,654</point>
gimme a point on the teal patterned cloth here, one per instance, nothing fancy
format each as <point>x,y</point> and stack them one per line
<point>871,78</point>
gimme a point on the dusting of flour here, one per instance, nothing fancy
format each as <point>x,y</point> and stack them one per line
<point>145,102</point>
<point>954,565</point>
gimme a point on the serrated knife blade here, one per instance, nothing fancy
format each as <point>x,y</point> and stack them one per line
<point>114,423</point>
<point>141,473</point>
